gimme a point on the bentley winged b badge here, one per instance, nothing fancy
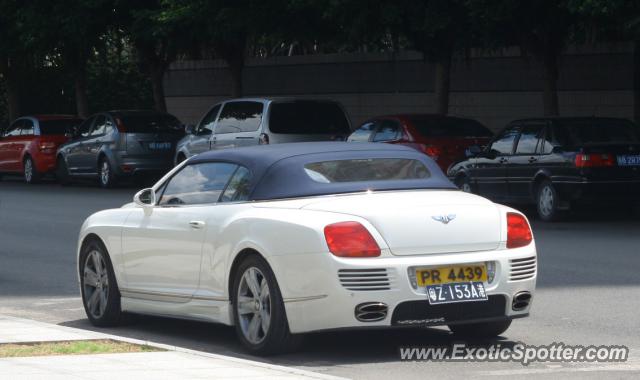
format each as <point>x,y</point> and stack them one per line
<point>444,219</point>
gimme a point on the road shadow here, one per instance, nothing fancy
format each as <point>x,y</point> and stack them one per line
<point>317,350</point>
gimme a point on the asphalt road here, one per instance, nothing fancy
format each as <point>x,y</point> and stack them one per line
<point>588,293</point>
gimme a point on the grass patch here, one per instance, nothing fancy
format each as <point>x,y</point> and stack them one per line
<point>74,347</point>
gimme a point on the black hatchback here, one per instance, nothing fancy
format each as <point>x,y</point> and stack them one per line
<point>556,163</point>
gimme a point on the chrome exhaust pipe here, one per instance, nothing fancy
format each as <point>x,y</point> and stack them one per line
<point>521,301</point>
<point>371,311</point>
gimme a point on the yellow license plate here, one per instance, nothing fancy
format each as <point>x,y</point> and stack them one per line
<point>446,275</point>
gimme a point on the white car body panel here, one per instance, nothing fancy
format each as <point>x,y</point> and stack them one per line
<point>165,267</point>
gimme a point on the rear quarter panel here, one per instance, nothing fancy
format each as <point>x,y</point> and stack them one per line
<point>290,236</point>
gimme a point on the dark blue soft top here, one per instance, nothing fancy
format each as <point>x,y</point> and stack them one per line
<point>277,171</point>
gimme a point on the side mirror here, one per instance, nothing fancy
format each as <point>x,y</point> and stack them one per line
<point>473,151</point>
<point>189,129</point>
<point>71,132</point>
<point>490,154</point>
<point>145,198</point>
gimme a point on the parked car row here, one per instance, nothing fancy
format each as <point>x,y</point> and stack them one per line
<point>553,163</point>
<point>556,164</point>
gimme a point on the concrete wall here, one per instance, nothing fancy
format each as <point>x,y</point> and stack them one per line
<point>491,88</point>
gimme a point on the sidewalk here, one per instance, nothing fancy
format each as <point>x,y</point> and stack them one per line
<point>175,363</point>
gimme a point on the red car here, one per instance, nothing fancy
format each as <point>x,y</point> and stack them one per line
<point>443,138</point>
<point>28,146</point>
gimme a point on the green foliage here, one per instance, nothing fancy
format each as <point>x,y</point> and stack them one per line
<point>124,46</point>
<point>115,80</point>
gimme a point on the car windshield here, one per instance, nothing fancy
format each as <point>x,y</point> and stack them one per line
<point>308,117</point>
<point>151,123</point>
<point>57,127</point>
<point>595,131</point>
<point>363,170</point>
<point>449,127</point>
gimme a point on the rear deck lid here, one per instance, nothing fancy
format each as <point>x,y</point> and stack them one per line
<point>424,222</point>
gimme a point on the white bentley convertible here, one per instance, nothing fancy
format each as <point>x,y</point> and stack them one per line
<point>288,239</point>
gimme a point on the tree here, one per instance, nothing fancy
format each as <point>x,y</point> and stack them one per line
<point>540,28</point>
<point>438,28</point>
<point>157,40</point>
<point>227,27</point>
<point>70,31</point>
<point>612,20</point>
<point>11,53</point>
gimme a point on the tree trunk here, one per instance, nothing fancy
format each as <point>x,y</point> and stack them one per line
<point>235,67</point>
<point>82,100</point>
<point>636,81</point>
<point>442,84</point>
<point>550,93</point>
<point>11,84</point>
<point>13,99</point>
<point>157,86</point>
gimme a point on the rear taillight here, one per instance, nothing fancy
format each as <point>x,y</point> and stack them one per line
<point>432,151</point>
<point>518,231</point>
<point>47,146</point>
<point>264,139</point>
<point>350,239</point>
<point>594,160</point>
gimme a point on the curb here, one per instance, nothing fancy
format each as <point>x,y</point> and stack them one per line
<point>98,335</point>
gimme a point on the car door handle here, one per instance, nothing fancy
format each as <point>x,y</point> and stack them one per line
<point>196,224</point>
<point>244,138</point>
<point>532,160</point>
<point>503,160</point>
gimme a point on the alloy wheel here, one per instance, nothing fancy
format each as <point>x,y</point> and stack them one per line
<point>105,173</point>
<point>28,170</point>
<point>546,201</point>
<point>253,305</point>
<point>96,284</point>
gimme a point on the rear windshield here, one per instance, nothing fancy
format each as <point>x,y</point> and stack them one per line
<point>158,123</point>
<point>364,170</point>
<point>595,131</point>
<point>58,127</point>
<point>307,118</point>
<point>450,127</point>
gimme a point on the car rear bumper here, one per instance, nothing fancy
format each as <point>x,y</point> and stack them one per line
<point>127,165</point>
<point>316,300</point>
<point>600,191</point>
<point>45,163</point>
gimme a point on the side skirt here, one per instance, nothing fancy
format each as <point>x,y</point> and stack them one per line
<point>203,309</point>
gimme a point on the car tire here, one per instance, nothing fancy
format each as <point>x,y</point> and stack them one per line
<point>98,286</point>
<point>464,184</point>
<point>30,172</point>
<point>481,330</point>
<point>62,172</point>
<point>106,177</point>
<point>250,311</point>
<point>547,202</point>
